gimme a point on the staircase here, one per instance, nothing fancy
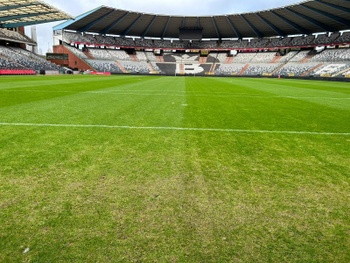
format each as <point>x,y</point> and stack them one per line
<point>229,60</point>
<point>202,60</point>
<point>278,68</point>
<point>79,62</point>
<point>182,69</point>
<point>121,67</point>
<point>276,59</point>
<point>212,69</point>
<point>160,58</point>
<point>243,69</point>
<point>309,71</point>
<point>151,69</point>
<point>307,58</point>
<point>341,72</point>
<point>134,58</point>
<point>88,54</point>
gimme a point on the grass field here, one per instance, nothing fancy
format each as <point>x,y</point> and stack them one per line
<point>174,169</point>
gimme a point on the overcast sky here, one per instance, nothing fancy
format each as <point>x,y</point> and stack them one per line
<point>166,7</point>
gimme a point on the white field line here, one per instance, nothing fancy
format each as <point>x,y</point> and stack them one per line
<point>170,128</point>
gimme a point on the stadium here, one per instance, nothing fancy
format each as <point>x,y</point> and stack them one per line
<point>164,138</point>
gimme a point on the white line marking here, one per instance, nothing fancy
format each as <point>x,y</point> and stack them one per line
<point>169,128</point>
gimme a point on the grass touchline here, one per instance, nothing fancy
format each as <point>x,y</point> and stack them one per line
<point>169,128</point>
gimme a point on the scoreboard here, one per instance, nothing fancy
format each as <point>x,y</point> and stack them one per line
<point>56,56</point>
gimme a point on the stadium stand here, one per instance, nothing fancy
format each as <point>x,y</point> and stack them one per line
<point>344,38</point>
<point>229,69</point>
<point>167,68</point>
<point>24,59</point>
<point>100,54</point>
<point>240,55</point>
<point>300,56</point>
<point>244,57</point>
<point>6,64</point>
<point>287,57</point>
<point>294,63</point>
<point>329,70</point>
<point>295,69</point>
<point>220,57</point>
<point>260,69</point>
<point>77,52</point>
<point>136,67</point>
<point>104,66</point>
<point>332,55</point>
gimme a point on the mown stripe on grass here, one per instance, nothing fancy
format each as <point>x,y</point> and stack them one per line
<point>181,94</point>
<point>170,128</point>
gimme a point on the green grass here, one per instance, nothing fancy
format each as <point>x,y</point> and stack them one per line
<point>263,177</point>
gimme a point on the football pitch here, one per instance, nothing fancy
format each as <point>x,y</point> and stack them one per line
<point>174,169</point>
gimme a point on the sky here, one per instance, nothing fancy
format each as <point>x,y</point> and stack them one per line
<point>169,7</point>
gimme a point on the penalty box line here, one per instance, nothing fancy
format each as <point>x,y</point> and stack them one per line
<point>170,128</point>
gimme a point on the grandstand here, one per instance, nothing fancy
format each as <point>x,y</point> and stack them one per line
<point>283,45</point>
<point>14,57</point>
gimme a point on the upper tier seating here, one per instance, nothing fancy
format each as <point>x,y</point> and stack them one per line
<point>322,39</point>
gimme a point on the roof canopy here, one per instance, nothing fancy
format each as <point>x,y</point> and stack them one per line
<point>16,13</point>
<point>303,18</point>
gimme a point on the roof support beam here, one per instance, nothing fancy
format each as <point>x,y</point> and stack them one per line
<point>9,7</point>
<point>234,28</point>
<point>272,26</point>
<point>28,23</point>
<point>7,18</point>
<point>149,26</point>
<point>90,25</point>
<point>107,29</point>
<point>256,31</point>
<point>300,29</point>
<point>336,18</point>
<point>311,20</point>
<point>166,27</point>
<point>126,31</point>
<point>216,27</point>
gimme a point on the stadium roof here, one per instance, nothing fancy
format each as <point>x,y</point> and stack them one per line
<point>16,13</point>
<point>306,17</point>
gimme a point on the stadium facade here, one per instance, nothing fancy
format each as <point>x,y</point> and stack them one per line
<point>308,39</point>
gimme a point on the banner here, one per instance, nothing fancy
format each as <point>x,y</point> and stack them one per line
<point>17,72</point>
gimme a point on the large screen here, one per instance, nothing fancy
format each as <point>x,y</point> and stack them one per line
<point>56,56</point>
